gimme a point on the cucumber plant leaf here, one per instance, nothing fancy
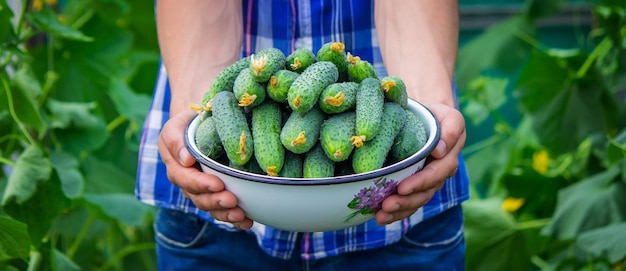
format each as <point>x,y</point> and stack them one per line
<point>124,208</point>
<point>493,242</point>
<point>40,209</point>
<point>47,21</point>
<point>72,181</point>
<point>607,242</point>
<point>31,169</point>
<point>589,204</point>
<point>14,241</point>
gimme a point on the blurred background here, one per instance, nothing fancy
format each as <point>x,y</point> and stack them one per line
<point>542,85</point>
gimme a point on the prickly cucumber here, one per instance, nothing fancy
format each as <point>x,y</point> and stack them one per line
<point>372,154</point>
<point>299,60</point>
<point>301,131</point>
<point>232,128</point>
<point>369,110</point>
<point>266,126</point>
<point>335,136</point>
<point>306,89</point>
<point>338,97</point>
<point>265,63</point>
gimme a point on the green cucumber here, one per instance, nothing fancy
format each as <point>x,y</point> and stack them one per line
<point>335,53</point>
<point>232,127</point>
<point>301,131</point>
<point>372,154</point>
<point>279,84</point>
<point>207,140</point>
<point>265,63</point>
<point>306,89</point>
<point>299,60</point>
<point>394,90</point>
<point>225,80</point>
<point>369,110</point>
<point>248,91</point>
<point>359,69</point>
<point>266,126</point>
<point>316,164</point>
<point>292,168</point>
<point>335,135</point>
<point>411,138</point>
<point>338,97</point>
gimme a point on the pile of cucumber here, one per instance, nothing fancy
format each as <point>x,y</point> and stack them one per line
<point>307,115</point>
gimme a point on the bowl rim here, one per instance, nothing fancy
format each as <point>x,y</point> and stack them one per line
<point>422,154</point>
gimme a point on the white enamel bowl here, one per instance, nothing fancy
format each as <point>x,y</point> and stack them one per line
<point>312,205</point>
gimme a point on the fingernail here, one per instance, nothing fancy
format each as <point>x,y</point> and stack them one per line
<point>440,150</point>
<point>388,218</point>
<point>221,204</point>
<point>394,208</point>
<point>183,156</point>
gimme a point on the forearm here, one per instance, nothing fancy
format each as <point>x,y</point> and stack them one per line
<point>418,41</point>
<point>197,39</point>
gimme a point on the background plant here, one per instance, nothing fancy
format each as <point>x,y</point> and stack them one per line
<point>548,186</point>
<point>73,97</point>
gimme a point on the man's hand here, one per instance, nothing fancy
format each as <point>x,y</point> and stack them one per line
<point>205,190</point>
<point>415,191</point>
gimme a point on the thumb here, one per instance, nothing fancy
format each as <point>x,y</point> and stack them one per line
<point>173,138</point>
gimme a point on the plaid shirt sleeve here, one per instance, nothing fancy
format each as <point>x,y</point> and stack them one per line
<point>301,24</point>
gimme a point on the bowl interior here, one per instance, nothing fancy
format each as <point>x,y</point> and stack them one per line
<point>432,127</point>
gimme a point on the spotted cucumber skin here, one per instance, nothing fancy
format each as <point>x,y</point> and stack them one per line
<point>230,124</point>
<point>316,164</point>
<point>279,84</point>
<point>369,108</point>
<point>245,84</point>
<point>305,57</point>
<point>292,168</point>
<point>266,127</point>
<point>225,80</point>
<point>360,70</point>
<point>396,93</point>
<point>306,89</point>
<point>309,123</point>
<point>207,139</point>
<point>372,154</point>
<point>411,138</point>
<point>338,58</point>
<point>275,62</point>
<point>349,90</point>
<point>335,136</point>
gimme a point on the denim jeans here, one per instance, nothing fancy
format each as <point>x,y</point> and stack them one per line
<point>185,242</point>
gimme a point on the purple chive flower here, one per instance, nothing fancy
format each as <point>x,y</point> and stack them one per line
<point>370,199</point>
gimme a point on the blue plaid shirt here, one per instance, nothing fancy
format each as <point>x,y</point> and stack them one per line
<point>287,25</point>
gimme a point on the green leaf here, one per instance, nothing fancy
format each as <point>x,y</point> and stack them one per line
<point>60,262</point>
<point>124,208</point>
<point>589,204</point>
<point>132,105</point>
<point>66,114</point>
<point>566,109</point>
<point>71,178</point>
<point>6,25</point>
<point>81,129</point>
<point>26,107</point>
<point>47,21</point>
<point>40,210</point>
<point>493,242</point>
<point>31,169</point>
<point>616,150</point>
<point>14,242</point>
<point>484,95</point>
<point>104,177</point>
<point>608,242</point>
<point>499,47</point>
<point>543,77</point>
<point>27,82</point>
